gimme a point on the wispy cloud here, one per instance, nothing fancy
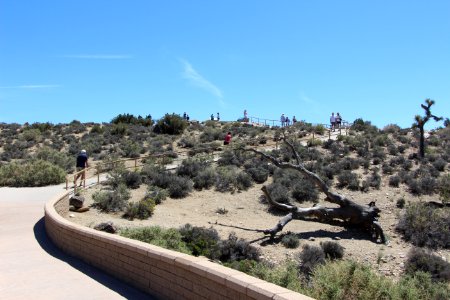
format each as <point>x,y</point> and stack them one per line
<point>198,80</point>
<point>99,56</point>
<point>31,86</point>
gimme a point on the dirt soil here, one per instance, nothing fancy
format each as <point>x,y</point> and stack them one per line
<point>246,209</point>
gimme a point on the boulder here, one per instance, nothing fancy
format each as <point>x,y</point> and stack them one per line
<point>76,201</point>
<point>107,227</point>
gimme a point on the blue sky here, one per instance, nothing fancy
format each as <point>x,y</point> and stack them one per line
<point>91,60</point>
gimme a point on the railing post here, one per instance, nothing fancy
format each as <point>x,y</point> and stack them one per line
<point>67,183</point>
<point>84,178</point>
<point>313,136</point>
<point>98,174</point>
<point>329,134</point>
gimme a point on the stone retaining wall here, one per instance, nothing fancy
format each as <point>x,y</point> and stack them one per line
<point>160,272</point>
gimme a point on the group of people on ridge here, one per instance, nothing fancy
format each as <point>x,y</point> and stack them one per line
<point>285,121</point>
<point>335,121</point>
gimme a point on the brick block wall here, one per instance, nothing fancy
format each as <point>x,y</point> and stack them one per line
<point>160,272</point>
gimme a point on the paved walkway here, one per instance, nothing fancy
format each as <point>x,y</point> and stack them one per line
<point>31,267</point>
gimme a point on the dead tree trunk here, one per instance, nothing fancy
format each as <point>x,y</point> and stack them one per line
<point>348,213</point>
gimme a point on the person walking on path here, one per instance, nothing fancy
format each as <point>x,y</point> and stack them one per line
<point>227,140</point>
<point>333,121</point>
<point>82,164</point>
<point>282,120</point>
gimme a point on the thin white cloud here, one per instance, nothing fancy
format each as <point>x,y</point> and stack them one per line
<point>99,56</point>
<point>31,86</point>
<point>198,80</point>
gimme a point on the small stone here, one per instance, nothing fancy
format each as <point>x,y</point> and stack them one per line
<point>311,239</point>
<point>337,238</point>
<point>72,215</point>
<point>76,201</point>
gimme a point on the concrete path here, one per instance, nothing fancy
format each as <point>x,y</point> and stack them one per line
<point>31,267</point>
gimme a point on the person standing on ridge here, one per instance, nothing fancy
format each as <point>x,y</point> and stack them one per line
<point>294,120</point>
<point>245,116</point>
<point>282,120</point>
<point>332,121</point>
<point>338,120</point>
<point>218,117</point>
<point>82,164</point>
<point>212,117</point>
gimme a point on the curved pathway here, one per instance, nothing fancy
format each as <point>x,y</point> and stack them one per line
<point>31,267</point>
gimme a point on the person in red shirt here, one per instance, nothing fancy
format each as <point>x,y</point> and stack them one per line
<point>227,139</point>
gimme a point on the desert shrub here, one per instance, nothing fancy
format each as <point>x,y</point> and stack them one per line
<point>378,152</point>
<point>387,169</point>
<point>170,124</point>
<point>304,190</point>
<point>112,201</point>
<point>439,164</point>
<point>310,258</point>
<point>400,203</point>
<point>229,158</point>
<point>131,119</point>
<point>205,179</point>
<point>97,129</point>
<point>259,175</point>
<point>155,235</point>
<point>394,181</point>
<point>381,140</point>
<point>278,192</point>
<point>200,240</point>
<point>42,127</point>
<point>444,188</point>
<point>131,149</point>
<point>141,210</point>
<point>290,240</point>
<point>156,193</point>
<point>161,179</point>
<point>348,179</point>
<point>243,181</point>
<point>422,186</point>
<point>374,180</point>
<point>332,250</point>
<point>132,180</point>
<point>187,142</point>
<point>211,134</point>
<point>319,129</point>
<point>31,173</point>
<point>391,128</point>
<point>118,129</point>
<point>423,225</point>
<point>179,187</point>
<point>425,261</point>
<point>191,167</point>
<point>60,159</point>
<point>229,178</point>
<point>234,249</point>
<point>31,135</point>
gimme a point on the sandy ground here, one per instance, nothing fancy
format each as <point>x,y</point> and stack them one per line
<point>245,209</point>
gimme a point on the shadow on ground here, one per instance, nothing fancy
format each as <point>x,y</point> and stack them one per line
<point>102,278</point>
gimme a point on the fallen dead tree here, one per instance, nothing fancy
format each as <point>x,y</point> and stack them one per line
<point>347,214</point>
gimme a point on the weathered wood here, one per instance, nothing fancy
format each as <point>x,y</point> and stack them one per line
<point>348,213</point>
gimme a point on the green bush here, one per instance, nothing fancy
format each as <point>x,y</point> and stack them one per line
<point>424,225</point>
<point>58,158</point>
<point>112,201</point>
<point>155,235</point>
<point>31,173</point>
<point>141,210</point>
<point>425,261</point>
<point>348,179</point>
<point>170,124</point>
<point>179,187</point>
<point>235,249</point>
<point>243,181</point>
<point>394,181</point>
<point>131,119</point>
<point>259,175</point>
<point>205,179</point>
<point>31,135</point>
<point>200,240</point>
<point>444,188</point>
<point>191,167</point>
<point>290,240</point>
<point>156,193</point>
<point>310,258</point>
<point>332,250</point>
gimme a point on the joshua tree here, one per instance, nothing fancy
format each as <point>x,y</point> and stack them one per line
<point>348,213</point>
<point>421,121</point>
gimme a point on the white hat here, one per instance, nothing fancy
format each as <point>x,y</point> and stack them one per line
<point>83,151</point>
